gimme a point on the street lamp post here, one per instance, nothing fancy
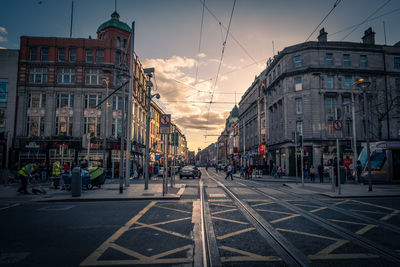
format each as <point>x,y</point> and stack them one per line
<point>149,72</point>
<point>363,84</point>
<point>106,81</point>
<point>124,78</point>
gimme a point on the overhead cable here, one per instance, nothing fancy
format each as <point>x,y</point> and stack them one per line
<point>198,50</point>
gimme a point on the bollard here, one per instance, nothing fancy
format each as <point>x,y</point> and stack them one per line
<point>76,182</point>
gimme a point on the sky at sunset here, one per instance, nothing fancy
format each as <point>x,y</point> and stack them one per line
<point>168,33</point>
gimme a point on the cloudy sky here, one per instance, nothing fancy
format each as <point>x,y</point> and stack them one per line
<point>168,34</point>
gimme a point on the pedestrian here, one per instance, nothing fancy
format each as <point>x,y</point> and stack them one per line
<point>24,174</point>
<point>321,172</point>
<point>335,170</point>
<point>312,173</point>
<point>359,170</point>
<point>249,172</point>
<point>229,172</point>
<point>278,171</point>
<point>66,167</point>
<point>306,172</point>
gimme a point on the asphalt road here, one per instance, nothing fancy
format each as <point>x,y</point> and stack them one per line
<point>317,230</point>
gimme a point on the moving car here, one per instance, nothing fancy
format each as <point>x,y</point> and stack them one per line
<point>190,171</point>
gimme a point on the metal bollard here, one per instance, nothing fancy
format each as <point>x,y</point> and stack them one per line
<point>76,182</point>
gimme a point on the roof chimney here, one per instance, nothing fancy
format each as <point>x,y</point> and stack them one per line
<point>369,36</point>
<point>323,35</point>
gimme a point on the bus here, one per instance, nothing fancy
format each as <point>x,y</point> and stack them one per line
<point>385,162</point>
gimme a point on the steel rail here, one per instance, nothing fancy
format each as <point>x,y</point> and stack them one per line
<point>359,240</point>
<point>289,253</point>
<point>203,232</point>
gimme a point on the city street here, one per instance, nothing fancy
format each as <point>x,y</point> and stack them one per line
<point>245,222</point>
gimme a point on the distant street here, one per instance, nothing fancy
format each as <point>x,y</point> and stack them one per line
<point>246,223</point>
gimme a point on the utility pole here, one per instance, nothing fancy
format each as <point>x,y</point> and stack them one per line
<point>355,157</point>
<point>295,153</point>
<point>129,130</point>
<point>105,108</point>
<point>149,72</point>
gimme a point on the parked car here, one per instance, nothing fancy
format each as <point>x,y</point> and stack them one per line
<point>190,171</point>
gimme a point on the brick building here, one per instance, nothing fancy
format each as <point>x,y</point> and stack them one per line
<point>61,81</point>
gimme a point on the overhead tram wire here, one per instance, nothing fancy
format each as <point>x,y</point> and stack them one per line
<point>230,33</point>
<point>198,50</point>
<point>322,21</point>
<point>373,13</point>
<point>371,19</point>
<point>220,61</point>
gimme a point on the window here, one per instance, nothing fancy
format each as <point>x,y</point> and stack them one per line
<point>93,76</point>
<point>330,127</point>
<point>299,105</point>
<point>36,100</point>
<point>89,55</point>
<point>363,61</point>
<point>329,102</point>
<point>117,57</point>
<point>297,61</point>
<point>38,75</point>
<point>299,127</point>
<point>92,125</point>
<point>329,59</point>
<point>61,54</point>
<point>65,100</point>
<point>125,43</point>
<point>279,69</point>
<point>118,42</point>
<point>346,60</point>
<point>35,126</point>
<point>99,56</point>
<point>92,101</point>
<point>116,127</point>
<point>347,104</point>
<point>33,53</point>
<point>117,103</point>
<point>44,54</point>
<point>348,128</point>
<point>65,75</point>
<point>64,126</point>
<point>347,82</point>
<point>298,84</point>
<point>329,82</point>
<point>274,74</point>
<point>72,55</point>
<point>3,90</point>
<point>397,63</point>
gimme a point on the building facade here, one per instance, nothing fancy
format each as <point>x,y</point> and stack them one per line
<point>308,86</point>
<point>8,98</point>
<point>61,83</point>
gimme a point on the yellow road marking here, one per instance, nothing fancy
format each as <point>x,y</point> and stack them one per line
<point>368,211</point>
<point>307,234</point>
<point>172,251</point>
<point>235,233</point>
<point>373,205</point>
<point>248,256</point>
<point>275,211</point>
<point>223,211</point>
<point>128,251</point>
<point>164,230</point>
<point>168,208</point>
<point>223,205</point>
<point>365,229</point>
<point>285,218</point>
<point>348,222</point>
<point>342,256</point>
<point>341,202</point>
<point>262,204</point>
<point>332,247</point>
<point>161,223</point>
<point>319,209</point>
<point>387,217</point>
<point>92,258</point>
<point>228,220</point>
<point>305,205</point>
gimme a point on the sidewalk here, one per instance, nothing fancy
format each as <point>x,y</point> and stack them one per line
<point>268,178</point>
<point>108,192</point>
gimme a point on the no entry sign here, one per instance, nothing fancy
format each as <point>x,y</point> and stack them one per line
<point>337,124</point>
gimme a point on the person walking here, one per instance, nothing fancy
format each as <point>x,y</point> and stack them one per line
<point>56,173</point>
<point>229,172</point>
<point>312,173</point>
<point>359,170</point>
<point>24,174</point>
<point>321,172</point>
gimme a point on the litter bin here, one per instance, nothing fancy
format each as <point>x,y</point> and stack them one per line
<point>76,182</point>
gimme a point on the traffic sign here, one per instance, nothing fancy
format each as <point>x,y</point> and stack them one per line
<point>337,124</point>
<point>165,123</point>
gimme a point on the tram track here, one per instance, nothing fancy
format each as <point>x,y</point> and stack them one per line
<point>344,233</point>
<point>286,251</point>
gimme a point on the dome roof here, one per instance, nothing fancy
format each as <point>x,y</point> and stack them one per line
<point>114,22</point>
